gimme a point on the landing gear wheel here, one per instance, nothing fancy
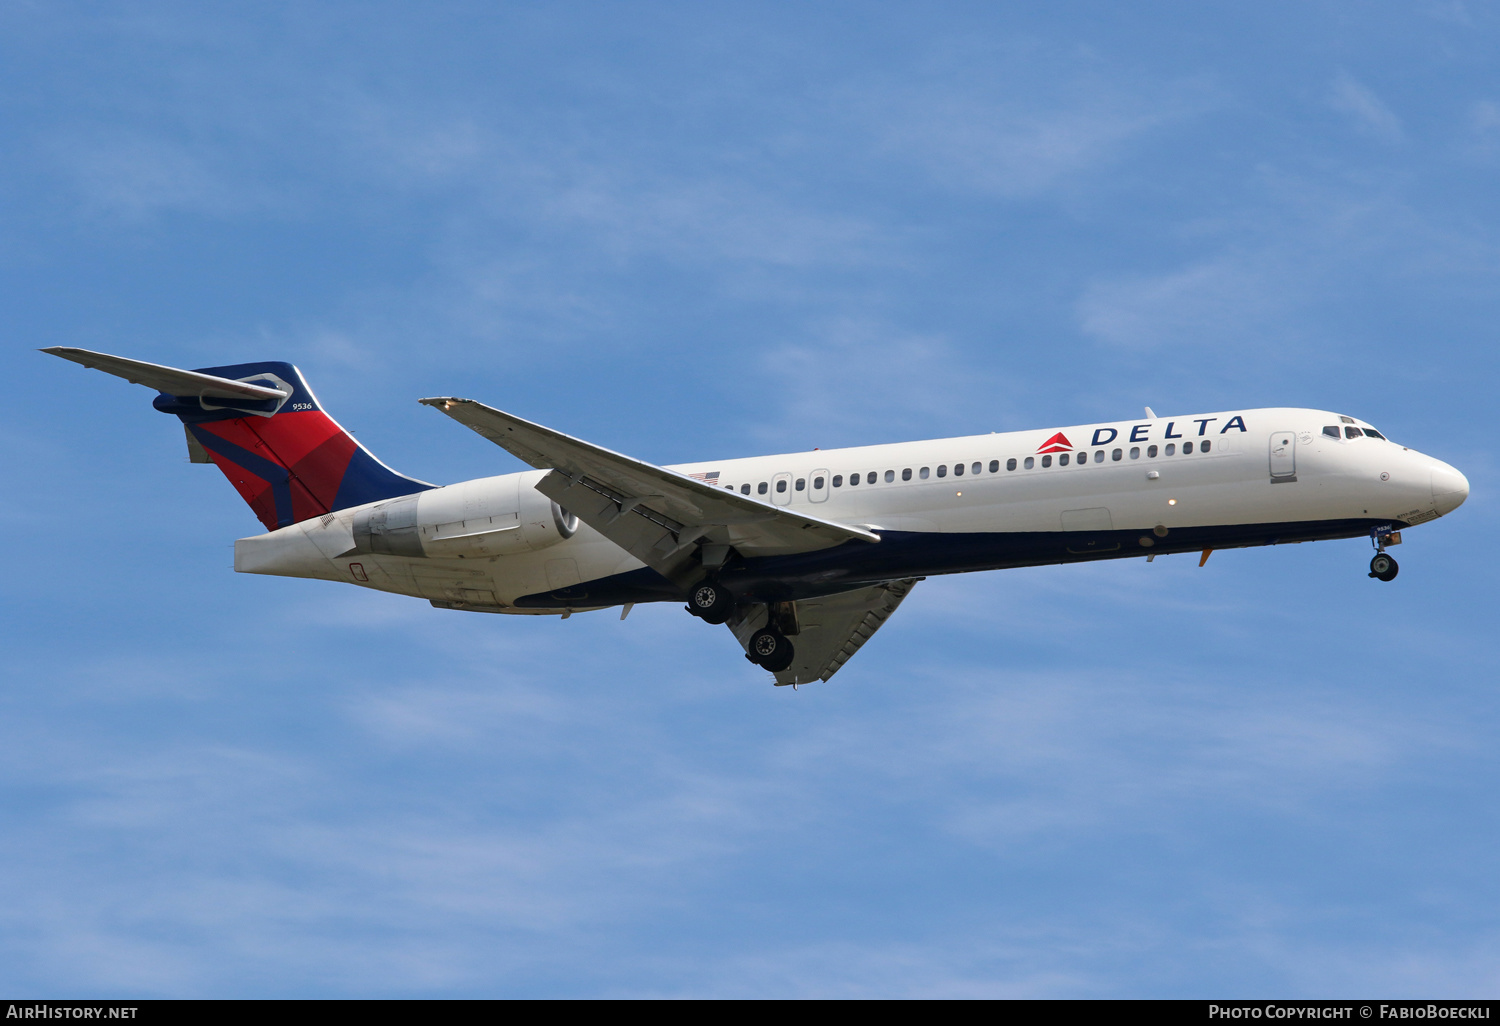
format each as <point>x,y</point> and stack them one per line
<point>710,602</point>
<point>771,650</point>
<point>1383,567</point>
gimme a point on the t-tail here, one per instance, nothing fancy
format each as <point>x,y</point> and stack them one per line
<point>267,432</point>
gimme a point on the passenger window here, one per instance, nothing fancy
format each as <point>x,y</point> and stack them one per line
<point>1372,433</point>
<point>923,473</point>
<point>801,483</point>
<point>890,475</point>
<point>761,488</point>
<point>870,477</point>
<point>1047,461</point>
<point>744,489</point>
<point>780,486</point>
<point>838,480</point>
<point>906,474</point>
<point>1171,449</point>
<point>1030,462</point>
<point>1010,464</point>
<point>1083,458</point>
<point>958,470</point>
<point>1135,452</point>
<point>942,471</point>
<point>995,466</point>
<point>1187,448</point>
<point>817,483</point>
<point>975,468</point>
<point>1350,432</point>
<point>1116,455</point>
<point>1099,456</point>
<point>1331,430</point>
<point>1062,461</point>
<point>1151,452</point>
<point>1204,447</point>
<point>853,480</point>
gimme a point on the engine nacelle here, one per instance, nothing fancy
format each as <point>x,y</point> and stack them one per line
<point>493,516</point>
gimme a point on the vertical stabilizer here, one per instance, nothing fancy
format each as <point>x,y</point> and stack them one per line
<point>263,427</point>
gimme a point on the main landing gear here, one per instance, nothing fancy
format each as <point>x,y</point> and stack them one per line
<point>711,602</point>
<point>770,649</point>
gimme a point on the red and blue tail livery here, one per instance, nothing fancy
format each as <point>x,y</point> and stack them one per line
<point>288,459</point>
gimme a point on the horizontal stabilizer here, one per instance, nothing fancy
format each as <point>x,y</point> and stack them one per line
<point>262,426</point>
<point>167,379</point>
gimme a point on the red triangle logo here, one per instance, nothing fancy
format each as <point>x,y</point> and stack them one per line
<point>1057,443</point>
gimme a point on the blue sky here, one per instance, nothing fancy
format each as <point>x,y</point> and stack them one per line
<point>694,231</point>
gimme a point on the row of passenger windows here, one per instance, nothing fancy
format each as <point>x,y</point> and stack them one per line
<point>959,469</point>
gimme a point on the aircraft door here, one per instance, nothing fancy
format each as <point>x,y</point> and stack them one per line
<point>781,489</point>
<point>1284,456</point>
<point>817,485</point>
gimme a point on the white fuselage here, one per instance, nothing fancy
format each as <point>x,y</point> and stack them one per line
<point>486,543</point>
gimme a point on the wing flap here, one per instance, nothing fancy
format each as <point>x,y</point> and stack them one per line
<point>648,535</point>
<point>830,629</point>
<point>655,514</point>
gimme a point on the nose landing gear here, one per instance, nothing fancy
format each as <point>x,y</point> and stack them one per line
<point>1383,566</point>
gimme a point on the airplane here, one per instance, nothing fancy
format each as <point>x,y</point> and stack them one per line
<point>803,555</point>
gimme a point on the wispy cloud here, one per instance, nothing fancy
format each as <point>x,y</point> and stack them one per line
<point>1350,97</point>
<point>1212,303</point>
<point>1006,148</point>
<point>883,379</point>
<point>135,176</point>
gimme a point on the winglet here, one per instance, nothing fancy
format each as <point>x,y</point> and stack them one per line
<point>1150,413</point>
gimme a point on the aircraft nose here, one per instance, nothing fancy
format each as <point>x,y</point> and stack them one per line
<point>1449,488</point>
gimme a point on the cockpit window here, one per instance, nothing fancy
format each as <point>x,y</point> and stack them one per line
<point>1352,432</point>
<point>1376,434</point>
<point>1332,430</point>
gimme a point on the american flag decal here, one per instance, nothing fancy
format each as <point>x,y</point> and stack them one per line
<point>708,477</point>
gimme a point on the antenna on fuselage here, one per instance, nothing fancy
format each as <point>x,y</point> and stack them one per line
<point>1150,413</point>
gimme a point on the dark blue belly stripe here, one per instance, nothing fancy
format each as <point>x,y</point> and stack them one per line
<point>903,554</point>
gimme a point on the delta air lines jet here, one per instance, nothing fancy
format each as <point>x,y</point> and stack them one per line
<point>802,555</point>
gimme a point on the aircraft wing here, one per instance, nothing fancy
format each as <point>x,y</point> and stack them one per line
<point>655,514</point>
<point>830,629</point>
<point>166,379</point>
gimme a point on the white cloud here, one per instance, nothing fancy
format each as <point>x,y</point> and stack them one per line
<point>1484,128</point>
<point>1006,149</point>
<point>1280,272</point>
<point>854,375</point>
<point>135,177</point>
<point>1207,304</point>
<point>1368,112</point>
<point>1017,119</point>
